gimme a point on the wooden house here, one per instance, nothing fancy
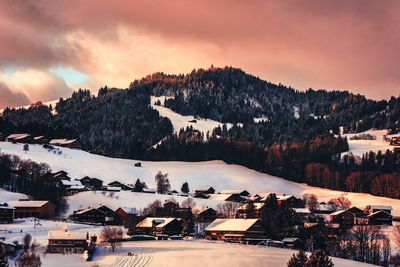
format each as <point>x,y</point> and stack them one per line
<point>90,215</point>
<point>92,183</point>
<point>127,216</point>
<point>227,197</point>
<point>342,217</point>
<point>250,210</point>
<point>159,226</point>
<point>293,243</point>
<point>207,215</point>
<point>41,209</point>
<point>201,195</point>
<point>6,213</point>
<point>303,213</point>
<point>67,242</point>
<point>121,185</point>
<point>290,201</point>
<point>206,190</point>
<point>374,208</point>
<point>110,214</point>
<point>236,230</point>
<point>68,143</point>
<point>380,218</point>
<point>20,138</point>
<point>242,193</point>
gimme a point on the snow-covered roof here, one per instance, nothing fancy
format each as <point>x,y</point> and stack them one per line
<point>66,235</point>
<point>27,203</point>
<point>160,222</point>
<point>337,212</point>
<point>290,239</point>
<point>380,207</point>
<point>377,212</point>
<point>76,187</point>
<point>231,225</point>
<point>220,197</point>
<point>86,210</point>
<point>71,183</point>
<point>5,206</point>
<point>62,141</point>
<point>38,137</point>
<point>284,197</point>
<point>256,206</point>
<point>302,210</point>
<point>18,136</point>
<point>149,190</point>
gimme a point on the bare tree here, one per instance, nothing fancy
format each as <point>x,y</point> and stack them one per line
<point>396,235</point>
<point>112,235</point>
<point>151,209</point>
<point>340,202</point>
<point>311,201</point>
<point>189,203</point>
<point>227,210</point>
<point>29,259</point>
<point>163,185</point>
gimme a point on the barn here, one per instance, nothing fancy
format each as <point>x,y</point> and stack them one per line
<point>41,209</point>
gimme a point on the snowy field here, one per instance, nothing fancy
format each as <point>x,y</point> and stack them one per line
<point>198,174</point>
<point>6,196</point>
<point>184,253</point>
<point>360,147</point>
<point>179,121</point>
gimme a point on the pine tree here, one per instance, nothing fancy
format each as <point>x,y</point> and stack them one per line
<point>139,186</point>
<point>319,259</point>
<point>298,260</point>
<point>185,188</point>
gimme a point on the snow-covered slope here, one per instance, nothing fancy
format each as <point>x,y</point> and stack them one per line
<point>360,147</point>
<point>180,121</point>
<point>6,196</point>
<point>198,174</point>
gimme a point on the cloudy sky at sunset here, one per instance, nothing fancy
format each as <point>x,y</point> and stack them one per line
<point>49,48</point>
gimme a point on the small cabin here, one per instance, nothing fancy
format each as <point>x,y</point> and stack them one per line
<point>159,226</point>
<point>90,215</point>
<point>293,243</point>
<point>121,185</point>
<point>342,217</point>
<point>380,218</point>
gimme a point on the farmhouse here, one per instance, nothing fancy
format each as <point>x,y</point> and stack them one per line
<point>303,213</point>
<point>127,216</point>
<point>374,208</point>
<point>250,210</point>
<point>242,193</point>
<point>90,215</point>
<point>110,214</point>
<point>120,185</point>
<point>206,190</point>
<point>290,201</point>
<point>61,175</point>
<point>159,226</point>
<point>41,209</point>
<point>6,213</point>
<point>67,242</point>
<point>201,195</point>
<point>19,138</point>
<point>93,183</point>
<point>380,218</point>
<point>342,217</point>
<point>207,215</point>
<point>236,230</point>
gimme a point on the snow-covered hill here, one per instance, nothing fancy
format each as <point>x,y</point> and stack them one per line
<point>360,147</point>
<point>198,174</point>
<point>179,121</point>
<point>6,196</point>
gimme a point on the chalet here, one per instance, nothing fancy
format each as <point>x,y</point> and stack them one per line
<point>66,184</point>
<point>227,197</point>
<point>293,243</point>
<point>41,209</point>
<point>66,242</point>
<point>374,208</point>
<point>6,213</point>
<point>242,193</point>
<point>92,183</point>
<point>380,218</point>
<point>149,191</point>
<point>206,190</point>
<point>121,185</point>
<point>159,226</point>
<point>250,210</point>
<point>19,138</point>
<point>127,216</point>
<point>290,201</point>
<point>303,213</point>
<point>61,175</point>
<point>110,214</point>
<point>73,143</point>
<point>201,195</point>
<point>359,215</point>
<point>207,215</point>
<point>323,208</point>
<point>236,230</point>
<point>342,217</point>
<point>90,215</point>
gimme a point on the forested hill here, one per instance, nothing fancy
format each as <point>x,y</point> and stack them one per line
<point>230,95</point>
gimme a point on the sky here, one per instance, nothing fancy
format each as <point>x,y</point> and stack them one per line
<point>49,48</point>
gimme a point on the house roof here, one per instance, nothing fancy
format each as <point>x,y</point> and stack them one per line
<point>129,210</point>
<point>337,212</point>
<point>149,190</point>
<point>284,197</point>
<point>66,235</point>
<point>160,222</point>
<point>380,207</point>
<point>257,206</point>
<point>18,136</point>
<point>377,212</point>
<point>290,239</point>
<point>86,210</point>
<point>233,191</point>
<point>220,197</point>
<point>62,141</point>
<point>302,210</point>
<point>206,188</point>
<point>206,209</point>
<point>38,137</point>
<point>27,203</point>
<point>236,225</point>
<point>76,187</point>
<point>71,183</point>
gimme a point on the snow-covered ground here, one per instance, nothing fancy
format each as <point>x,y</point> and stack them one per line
<point>6,196</point>
<point>184,253</point>
<point>179,121</point>
<point>198,174</point>
<point>360,147</point>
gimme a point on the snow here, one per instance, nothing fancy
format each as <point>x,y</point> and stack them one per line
<point>198,174</point>
<point>233,225</point>
<point>160,222</point>
<point>360,147</point>
<point>25,204</point>
<point>261,119</point>
<point>66,235</point>
<point>296,112</point>
<point>180,121</point>
<point>6,196</point>
<point>184,253</point>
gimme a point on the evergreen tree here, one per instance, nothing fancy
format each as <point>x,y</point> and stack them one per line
<point>139,186</point>
<point>185,188</point>
<point>319,258</point>
<point>298,260</point>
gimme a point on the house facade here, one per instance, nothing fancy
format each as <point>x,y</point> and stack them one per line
<point>41,209</point>
<point>67,242</point>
